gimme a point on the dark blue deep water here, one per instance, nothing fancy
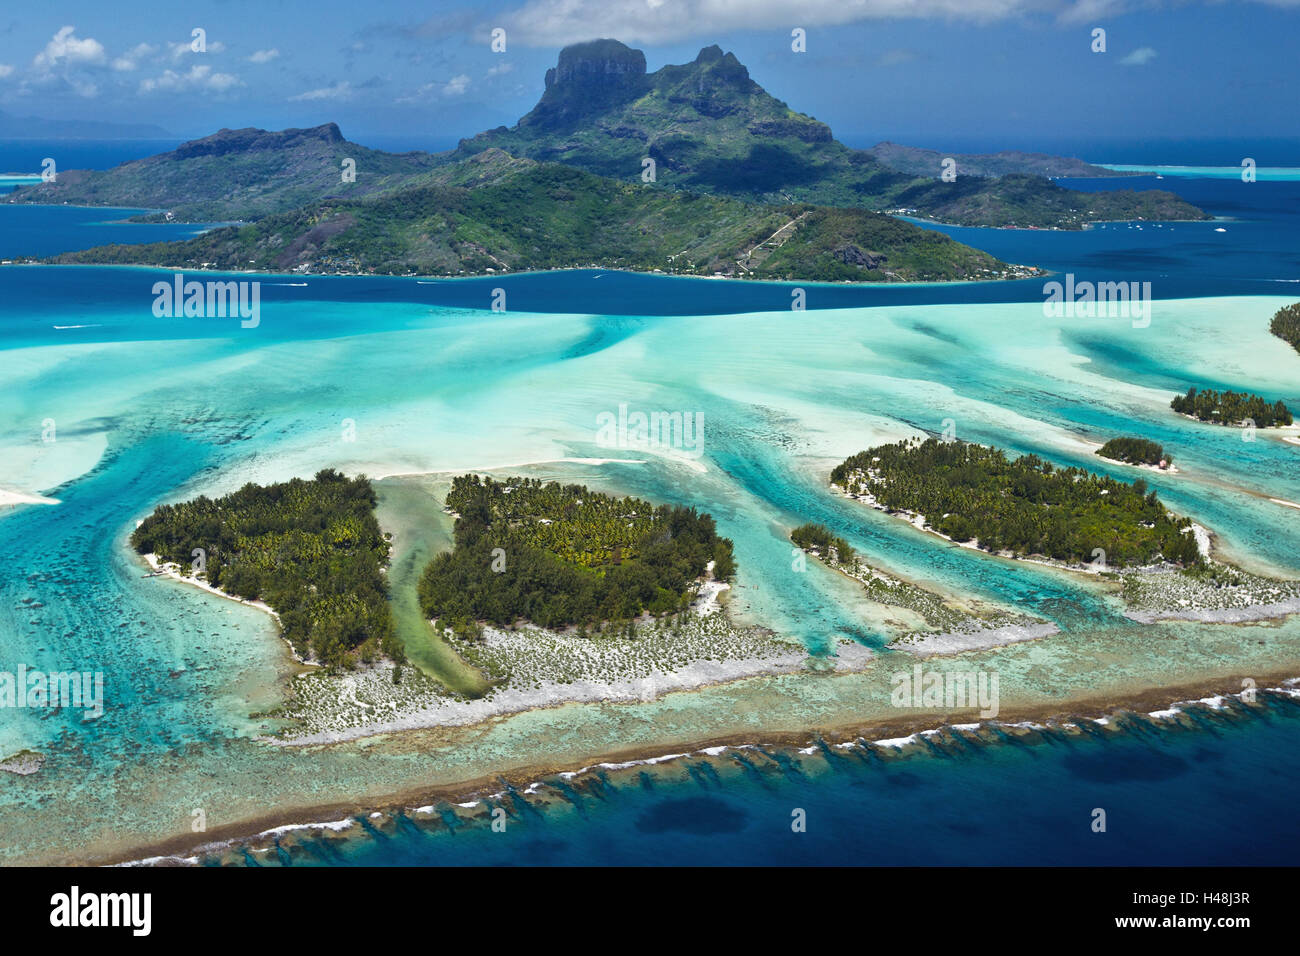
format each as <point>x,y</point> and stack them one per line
<point>1222,791</point>
<point>1220,794</point>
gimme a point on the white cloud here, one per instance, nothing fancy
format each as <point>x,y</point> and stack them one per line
<point>1139,57</point>
<point>5,70</point>
<point>130,60</point>
<point>66,46</point>
<point>264,56</point>
<point>185,47</point>
<point>199,77</point>
<point>1092,11</point>
<point>558,23</point>
<point>501,68</point>
<point>339,91</point>
<point>561,22</point>
<point>428,92</point>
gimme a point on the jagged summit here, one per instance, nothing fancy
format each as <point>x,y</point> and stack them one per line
<point>705,126</point>
<point>252,139</point>
<point>706,123</point>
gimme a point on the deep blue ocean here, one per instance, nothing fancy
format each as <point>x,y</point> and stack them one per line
<point>1222,794</point>
<point>1222,791</point>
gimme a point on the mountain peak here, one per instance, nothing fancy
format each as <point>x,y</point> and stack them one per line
<point>596,61</point>
<point>252,139</point>
<point>709,54</point>
<point>588,79</point>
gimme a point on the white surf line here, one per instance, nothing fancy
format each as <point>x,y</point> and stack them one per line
<point>1284,503</point>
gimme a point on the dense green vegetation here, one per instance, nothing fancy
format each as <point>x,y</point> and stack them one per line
<point>1286,324</point>
<point>1034,202</point>
<point>565,555</point>
<point>1231,408</point>
<point>817,537</point>
<point>236,174</point>
<point>312,550</point>
<point>547,216</point>
<point>710,128</point>
<point>707,126</point>
<point>1135,451</point>
<point>927,162</point>
<point>1026,506</point>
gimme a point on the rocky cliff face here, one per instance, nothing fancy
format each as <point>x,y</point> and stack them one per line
<point>589,79</point>
<point>595,63</point>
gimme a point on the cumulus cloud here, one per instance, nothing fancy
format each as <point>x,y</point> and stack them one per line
<point>1139,57</point>
<point>561,22</point>
<point>1091,11</point>
<point>130,60</point>
<point>198,78</point>
<point>264,56</point>
<point>339,91</point>
<point>6,69</point>
<point>428,92</point>
<point>180,50</point>
<point>67,47</point>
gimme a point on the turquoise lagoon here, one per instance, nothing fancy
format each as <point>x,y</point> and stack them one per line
<point>149,410</point>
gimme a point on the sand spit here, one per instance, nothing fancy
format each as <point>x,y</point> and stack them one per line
<point>8,497</point>
<point>927,645</point>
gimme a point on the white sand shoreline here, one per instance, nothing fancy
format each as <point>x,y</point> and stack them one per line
<point>173,571</point>
<point>1204,537</point>
<point>8,497</point>
<point>849,657</point>
<point>956,642</point>
<point>1171,470</point>
<point>1219,615</point>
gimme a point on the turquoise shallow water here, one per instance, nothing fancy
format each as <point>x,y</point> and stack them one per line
<point>147,410</point>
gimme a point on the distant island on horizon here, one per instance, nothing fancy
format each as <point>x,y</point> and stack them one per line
<point>693,169</point>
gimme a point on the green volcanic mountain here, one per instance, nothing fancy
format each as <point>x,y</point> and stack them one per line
<point>510,214</point>
<point>709,127</point>
<point>706,125</point>
<point>236,174</point>
<point>928,162</point>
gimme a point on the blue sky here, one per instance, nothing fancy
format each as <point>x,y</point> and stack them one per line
<point>945,73</point>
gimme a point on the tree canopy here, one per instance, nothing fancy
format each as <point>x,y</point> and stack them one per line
<point>1026,505</point>
<point>312,550</point>
<point>561,555</point>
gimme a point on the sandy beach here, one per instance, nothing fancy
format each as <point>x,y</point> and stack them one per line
<point>8,497</point>
<point>173,571</point>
